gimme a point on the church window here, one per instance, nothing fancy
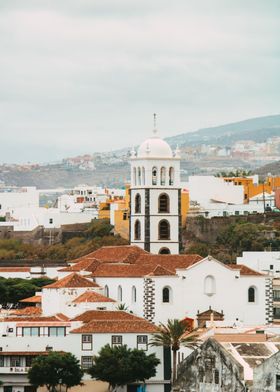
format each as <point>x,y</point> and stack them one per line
<point>209,285</point>
<point>171,176</point>
<point>154,176</point>
<point>143,176</point>
<point>163,203</point>
<point>134,176</point>
<point>120,293</point>
<point>164,230</point>
<point>137,204</point>
<point>217,376</point>
<point>106,291</point>
<point>137,230</point>
<point>134,294</point>
<point>139,176</point>
<point>166,294</point>
<point>162,176</point>
<point>164,251</point>
<point>252,294</point>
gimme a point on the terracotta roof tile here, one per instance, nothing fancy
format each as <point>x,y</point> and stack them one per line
<point>126,270</point>
<point>161,271</point>
<point>170,262</point>
<point>41,319</point>
<point>95,315</point>
<point>35,299</point>
<point>92,296</point>
<point>28,311</point>
<point>72,280</point>
<point>118,254</point>
<point>117,326</point>
<point>86,264</point>
<point>14,269</point>
<point>244,270</point>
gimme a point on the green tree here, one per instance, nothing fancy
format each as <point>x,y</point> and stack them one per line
<point>55,369</point>
<point>99,228</point>
<point>120,366</point>
<point>174,334</point>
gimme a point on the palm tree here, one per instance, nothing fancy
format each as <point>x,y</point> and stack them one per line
<point>174,334</point>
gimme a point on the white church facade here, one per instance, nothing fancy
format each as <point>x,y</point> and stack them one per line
<point>155,194</point>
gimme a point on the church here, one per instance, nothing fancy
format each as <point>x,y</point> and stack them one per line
<point>155,194</point>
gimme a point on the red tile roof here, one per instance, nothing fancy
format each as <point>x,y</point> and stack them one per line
<point>42,319</point>
<point>35,299</point>
<point>115,254</point>
<point>161,271</point>
<point>72,280</point>
<point>92,296</point>
<point>95,315</point>
<point>244,270</point>
<point>117,326</point>
<point>147,264</point>
<point>122,270</point>
<point>86,264</point>
<point>14,269</point>
<point>28,311</point>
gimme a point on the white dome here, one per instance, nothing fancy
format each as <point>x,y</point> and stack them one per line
<point>154,147</point>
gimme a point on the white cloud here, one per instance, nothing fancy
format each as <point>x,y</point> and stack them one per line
<point>74,76</point>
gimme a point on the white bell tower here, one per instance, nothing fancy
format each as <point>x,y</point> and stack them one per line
<point>155,197</point>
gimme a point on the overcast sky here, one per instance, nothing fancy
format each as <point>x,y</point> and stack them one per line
<point>79,76</point>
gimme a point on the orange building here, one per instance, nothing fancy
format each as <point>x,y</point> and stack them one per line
<point>251,189</point>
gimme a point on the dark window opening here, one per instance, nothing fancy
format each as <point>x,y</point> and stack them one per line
<point>164,230</point>
<point>163,203</point>
<point>137,204</point>
<point>251,294</point>
<point>166,295</point>
<point>137,230</point>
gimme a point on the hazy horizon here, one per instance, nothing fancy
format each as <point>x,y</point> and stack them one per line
<point>87,77</point>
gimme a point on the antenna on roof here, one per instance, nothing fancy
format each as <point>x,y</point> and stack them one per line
<point>155,124</point>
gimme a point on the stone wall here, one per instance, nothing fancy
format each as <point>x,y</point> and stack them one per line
<point>210,369</point>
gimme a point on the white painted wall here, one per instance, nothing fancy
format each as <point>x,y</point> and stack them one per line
<point>261,261</point>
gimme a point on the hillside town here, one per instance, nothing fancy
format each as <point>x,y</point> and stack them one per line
<point>130,295</point>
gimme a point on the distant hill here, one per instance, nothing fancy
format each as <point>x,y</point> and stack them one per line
<point>272,168</point>
<point>258,129</point>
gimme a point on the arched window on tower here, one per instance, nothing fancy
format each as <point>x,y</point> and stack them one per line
<point>164,251</point>
<point>134,176</point>
<point>164,230</point>
<point>143,176</point>
<point>134,298</point>
<point>162,176</point>
<point>106,291</point>
<point>163,203</point>
<point>171,176</point>
<point>120,293</point>
<point>154,176</point>
<point>252,294</point>
<point>139,176</point>
<point>137,204</point>
<point>209,285</point>
<point>137,230</point>
<point>166,294</point>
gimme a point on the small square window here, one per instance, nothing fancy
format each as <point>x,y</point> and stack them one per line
<point>86,362</point>
<point>116,340</point>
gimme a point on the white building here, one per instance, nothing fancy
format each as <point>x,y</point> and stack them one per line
<point>264,262</point>
<point>15,197</point>
<point>89,322</point>
<point>159,287</point>
<point>155,197</point>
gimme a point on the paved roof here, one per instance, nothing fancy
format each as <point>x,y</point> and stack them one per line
<point>72,280</point>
